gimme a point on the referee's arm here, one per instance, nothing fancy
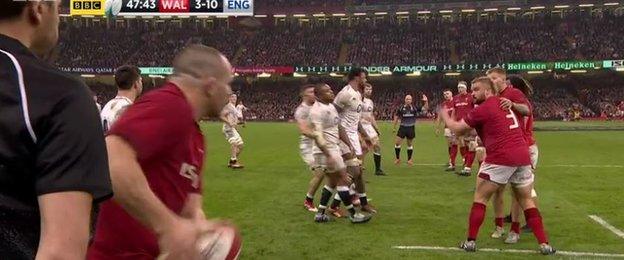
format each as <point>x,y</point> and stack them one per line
<point>72,173</point>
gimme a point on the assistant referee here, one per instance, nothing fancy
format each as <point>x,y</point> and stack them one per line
<point>53,162</point>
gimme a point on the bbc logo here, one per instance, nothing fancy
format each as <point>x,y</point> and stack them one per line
<point>87,5</point>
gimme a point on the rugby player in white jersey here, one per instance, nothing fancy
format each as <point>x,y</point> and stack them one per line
<point>129,87</point>
<point>306,144</point>
<point>348,102</point>
<point>369,124</point>
<point>229,116</point>
<point>328,133</point>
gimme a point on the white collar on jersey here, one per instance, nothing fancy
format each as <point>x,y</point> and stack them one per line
<point>125,98</point>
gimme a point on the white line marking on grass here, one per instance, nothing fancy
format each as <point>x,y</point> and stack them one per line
<point>553,165</point>
<point>608,226</point>
<point>496,250</point>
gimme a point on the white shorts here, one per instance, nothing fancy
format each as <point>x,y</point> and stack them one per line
<point>232,136</point>
<point>370,131</point>
<point>354,138</point>
<point>305,150</point>
<point>320,161</point>
<point>534,152</point>
<point>518,176</point>
<point>448,133</point>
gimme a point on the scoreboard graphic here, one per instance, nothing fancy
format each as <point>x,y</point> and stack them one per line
<point>112,8</point>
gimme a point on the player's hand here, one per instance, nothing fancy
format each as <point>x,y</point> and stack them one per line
<point>178,240</point>
<point>506,104</point>
<point>437,132</point>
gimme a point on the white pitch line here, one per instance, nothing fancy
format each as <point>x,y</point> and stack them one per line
<point>608,226</point>
<point>554,165</point>
<point>496,250</point>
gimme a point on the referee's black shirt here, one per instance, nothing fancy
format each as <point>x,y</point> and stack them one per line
<point>51,141</point>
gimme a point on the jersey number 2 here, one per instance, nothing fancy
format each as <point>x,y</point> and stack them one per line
<point>513,117</point>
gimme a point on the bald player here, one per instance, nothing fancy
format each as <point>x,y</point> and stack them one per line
<point>229,116</point>
<point>156,154</point>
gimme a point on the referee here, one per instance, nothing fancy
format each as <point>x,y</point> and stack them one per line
<point>53,162</point>
<point>406,115</point>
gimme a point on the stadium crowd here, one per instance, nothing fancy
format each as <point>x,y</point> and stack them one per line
<point>387,41</point>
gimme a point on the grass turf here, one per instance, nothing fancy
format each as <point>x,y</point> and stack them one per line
<point>420,205</point>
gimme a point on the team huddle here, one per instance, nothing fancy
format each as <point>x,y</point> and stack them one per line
<point>492,124</point>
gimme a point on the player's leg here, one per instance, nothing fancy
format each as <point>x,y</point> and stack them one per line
<point>463,147</point>
<point>491,177</point>
<point>410,135</point>
<point>317,178</point>
<point>498,203</point>
<point>410,151</point>
<point>522,185</point>
<point>354,169</point>
<point>514,231</point>
<point>236,143</point>
<point>343,192</point>
<point>329,188</point>
<point>397,145</point>
<point>470,156</point>
<point>452,148</point>
<point>484,190</point>
<point>377,157</point>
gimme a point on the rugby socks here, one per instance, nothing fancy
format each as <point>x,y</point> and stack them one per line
<point>477,214</point>
<point>309,198</point>
<point>463,151</point>
<point>325,196</point>
<point>377,158</point>
<point>470,156</point>
<point>343,191</point>
<point>534,221</point>
<point>452,154</point>
<point>363,199</point>
<point>410,151</point>
<point>499,222</point>
<point>397,151</point>
<point>336,203</point>
<point>515,227</point>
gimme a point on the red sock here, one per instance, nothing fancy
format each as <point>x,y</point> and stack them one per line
<point>515,227</point>
<point>534,220</point>
<point>463,151</point>
<point>453,154</point>
<point>470,156</point>
<point>499,222</point>
<point>477,214</point>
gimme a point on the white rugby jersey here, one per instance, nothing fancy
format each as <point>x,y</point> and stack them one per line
<point>231,114</point>
<point>112,110</point>
<point>367,111</point>
<point>324,117</point>
<point>350,101</point>
<point>303,114</point>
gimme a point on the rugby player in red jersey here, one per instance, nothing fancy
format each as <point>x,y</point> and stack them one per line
<point>448,134</point>
<point>507,161</point>
<point>156,154</point>
<point>525,87</point>
<point>514,99</point>
<point>462,105</point>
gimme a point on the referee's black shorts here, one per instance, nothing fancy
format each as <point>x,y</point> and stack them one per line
<point>408,132</point>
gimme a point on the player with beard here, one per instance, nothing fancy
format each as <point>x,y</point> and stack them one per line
<point>451,141</point>
<point>508,161</point>
<point>348,102</point>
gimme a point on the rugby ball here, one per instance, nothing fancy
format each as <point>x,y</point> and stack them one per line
<point>112,8</point>
<point>224,243</point>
